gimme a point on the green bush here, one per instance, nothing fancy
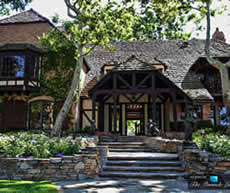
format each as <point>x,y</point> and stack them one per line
<point>24,144</point>
<point>202,124</point>
<point>212,141</point>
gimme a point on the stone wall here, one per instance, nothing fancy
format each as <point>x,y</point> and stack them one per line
<point>79,166</point>
<point>159,144</point>
<point>83,165</point>
<point>203,163</point>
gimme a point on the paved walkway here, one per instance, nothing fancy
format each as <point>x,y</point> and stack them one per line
<point>108,185</point>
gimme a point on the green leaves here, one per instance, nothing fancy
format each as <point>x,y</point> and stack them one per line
<point>25,144</point>
<point>7,5</point>
<point>213,142</point>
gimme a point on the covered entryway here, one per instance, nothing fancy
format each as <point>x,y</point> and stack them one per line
<point>135,88</point>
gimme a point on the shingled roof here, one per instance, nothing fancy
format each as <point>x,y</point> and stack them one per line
<point>30,16</point>
<point>177,55</point>
<point>133,64</point>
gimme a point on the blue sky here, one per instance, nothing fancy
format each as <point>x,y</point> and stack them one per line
<point>47,8</point>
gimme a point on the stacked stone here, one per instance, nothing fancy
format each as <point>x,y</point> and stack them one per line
<point>204,163</point>
<point>159,144</point>
<point>79,166</point>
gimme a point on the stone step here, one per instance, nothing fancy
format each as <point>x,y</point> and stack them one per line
<point>142,169</point>
<point>143,163</point>
<point>122,143</point>
<point>159,175</point>
<point>142,156</point>
<point>131,138</point>
<point>130,150</point>
<point>128,147</point>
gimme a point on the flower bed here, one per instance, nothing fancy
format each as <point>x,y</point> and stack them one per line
<point>212,142</point>
<point>35,156</point>
<point>25,144</point>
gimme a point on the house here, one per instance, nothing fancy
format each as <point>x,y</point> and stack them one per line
<point>138,81</point>
<point>156,80</point>
<point>21,58</point>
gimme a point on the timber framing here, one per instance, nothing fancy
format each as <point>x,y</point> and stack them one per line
<point>150,82</point>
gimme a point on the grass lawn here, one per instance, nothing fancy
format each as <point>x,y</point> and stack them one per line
<point>18,186</point>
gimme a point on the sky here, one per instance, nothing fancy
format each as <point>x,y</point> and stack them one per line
<point>47,8</point>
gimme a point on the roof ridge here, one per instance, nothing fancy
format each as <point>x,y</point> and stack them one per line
<point>31,9</point>
<point>28,16</point>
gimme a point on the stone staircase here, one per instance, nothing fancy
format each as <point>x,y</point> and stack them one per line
<point>131,158</point>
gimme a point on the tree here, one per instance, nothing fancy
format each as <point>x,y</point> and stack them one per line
<point>203,7</point>
<point>222,67</point>
<point>157,20</point>
<point>166,19</point>
<point>95,23</point>
<point>7,5</point>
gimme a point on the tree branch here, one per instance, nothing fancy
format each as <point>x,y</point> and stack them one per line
<point>90,50</point>
<point>73,7</point>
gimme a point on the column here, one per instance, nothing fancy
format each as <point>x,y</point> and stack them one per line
<point>174,111</point>
<point>115,112</point>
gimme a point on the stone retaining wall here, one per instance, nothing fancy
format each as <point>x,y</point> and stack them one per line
<point>159,144</point>
<point>79,166</point>
<point>203,163</point>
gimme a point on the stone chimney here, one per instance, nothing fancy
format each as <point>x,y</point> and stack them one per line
<point>218,35</point>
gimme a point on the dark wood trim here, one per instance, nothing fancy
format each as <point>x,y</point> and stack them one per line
<point>154,107</point>
<point>115,112</point>
<point>133,91</point>
<point>124,81</point>
<point>174,111</point>
<point>106,98</point>
<point>128,98</point>
<point>87,117</point>
<point>80,110</point>
<point>133,80</point>
<point>110,118</point>
<point>93,108</point>
<point>139,97</point>
<point>153,81</point>
<point>120,120</point>
<point>144,80</point>
<point>164,117</point>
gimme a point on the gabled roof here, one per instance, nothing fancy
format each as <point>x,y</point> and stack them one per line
<point>133,64</point>
<point>177,55</point>
<point>30,16</point>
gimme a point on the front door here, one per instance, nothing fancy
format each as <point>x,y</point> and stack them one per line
<point>135,119</point>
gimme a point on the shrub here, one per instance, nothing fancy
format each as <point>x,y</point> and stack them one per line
<point>25,144</point>
<point>213,142</point>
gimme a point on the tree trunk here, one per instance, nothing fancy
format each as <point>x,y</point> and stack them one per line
<point>70,97</point>
<point>207,43</point>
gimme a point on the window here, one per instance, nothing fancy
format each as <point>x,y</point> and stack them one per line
<point>224,119</point>
<point>229,73</point>
<point>213,115</point>
<point>12,66</point>
<point>197,112</point>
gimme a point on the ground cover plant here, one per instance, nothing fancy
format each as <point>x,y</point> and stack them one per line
<point>36,145</point>
<point>16,186</point>
<point>213,141</point>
